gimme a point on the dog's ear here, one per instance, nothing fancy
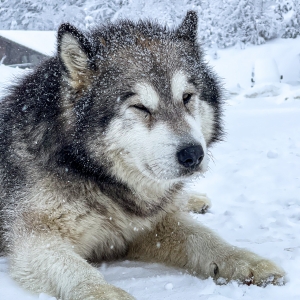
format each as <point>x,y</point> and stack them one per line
<point>75,54</point>
<point>188,28</point>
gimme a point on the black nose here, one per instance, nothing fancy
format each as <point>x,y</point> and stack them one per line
<point>191,156</point>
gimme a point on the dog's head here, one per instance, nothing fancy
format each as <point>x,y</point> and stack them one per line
<point>140,97</point>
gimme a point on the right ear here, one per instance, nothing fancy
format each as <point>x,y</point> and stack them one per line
<point>75,54</point>
<point>188,28</point>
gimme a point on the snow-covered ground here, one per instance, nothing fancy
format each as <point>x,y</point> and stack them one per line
<point>253,182</point>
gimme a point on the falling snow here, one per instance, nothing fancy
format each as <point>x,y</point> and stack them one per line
<point>253,182</point>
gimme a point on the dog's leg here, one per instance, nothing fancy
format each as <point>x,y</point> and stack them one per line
<point>198,203</point>
<point>180,241</point>
<point>44,263</point>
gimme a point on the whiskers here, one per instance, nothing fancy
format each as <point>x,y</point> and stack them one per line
<point>211,157</point>
<point>162,167</point>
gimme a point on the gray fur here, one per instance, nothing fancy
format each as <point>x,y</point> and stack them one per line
<point>88,162</point>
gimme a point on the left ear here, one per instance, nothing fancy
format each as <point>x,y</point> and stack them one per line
<point>75,54</point>
<point>188,28</point>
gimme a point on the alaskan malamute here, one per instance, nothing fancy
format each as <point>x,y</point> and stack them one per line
<point>96,145</point>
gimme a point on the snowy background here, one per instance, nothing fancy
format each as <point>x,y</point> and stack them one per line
<point>254,177</point>
<point>223,22</point>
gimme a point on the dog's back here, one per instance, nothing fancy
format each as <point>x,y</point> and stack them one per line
<point>28,131</point>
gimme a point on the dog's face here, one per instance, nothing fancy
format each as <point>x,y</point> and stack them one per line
<point>153,104</point>
<point>159,127</point>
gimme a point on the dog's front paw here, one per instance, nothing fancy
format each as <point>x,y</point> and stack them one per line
<point>103,292</point>
<point>248,268</point>
<point>198,203</point>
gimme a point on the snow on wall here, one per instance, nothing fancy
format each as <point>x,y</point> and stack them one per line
<point>41,41</point>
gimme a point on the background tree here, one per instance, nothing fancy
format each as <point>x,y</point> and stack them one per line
<point>291,18</point>
<point>222,23</point>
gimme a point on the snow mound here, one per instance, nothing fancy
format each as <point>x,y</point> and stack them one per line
<point>268,90</point>
<point>272,154</point>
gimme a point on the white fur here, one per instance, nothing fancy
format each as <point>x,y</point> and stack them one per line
<point>153,152</point>
<point>153,156</point>
<point>147,95</point>
<point>203,112</point>
<point>198,202</point>
<point>207,119</point>
<point>178,85</point>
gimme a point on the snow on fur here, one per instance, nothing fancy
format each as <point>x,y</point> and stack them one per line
<point>253,182</point>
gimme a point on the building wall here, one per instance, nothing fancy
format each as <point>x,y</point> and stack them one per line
<point>17,54</point>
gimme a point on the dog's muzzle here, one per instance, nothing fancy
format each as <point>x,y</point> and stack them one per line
<point>191,157</point>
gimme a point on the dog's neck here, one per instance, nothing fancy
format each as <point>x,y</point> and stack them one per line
<point>135,193</point>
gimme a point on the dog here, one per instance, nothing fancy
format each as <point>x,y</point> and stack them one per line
<point>97,145</point>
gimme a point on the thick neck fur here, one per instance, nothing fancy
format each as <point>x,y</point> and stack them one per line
<point>138,195</point>
<point>135,193</point>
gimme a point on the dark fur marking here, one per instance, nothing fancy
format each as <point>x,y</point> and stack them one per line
<point>83,167</point>
<point>32,101</point>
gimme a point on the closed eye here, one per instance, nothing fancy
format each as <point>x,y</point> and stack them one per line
<point>141,108</point>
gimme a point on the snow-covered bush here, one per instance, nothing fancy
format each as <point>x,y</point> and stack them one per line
<point>291,16</point>
<point>222,23</point>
